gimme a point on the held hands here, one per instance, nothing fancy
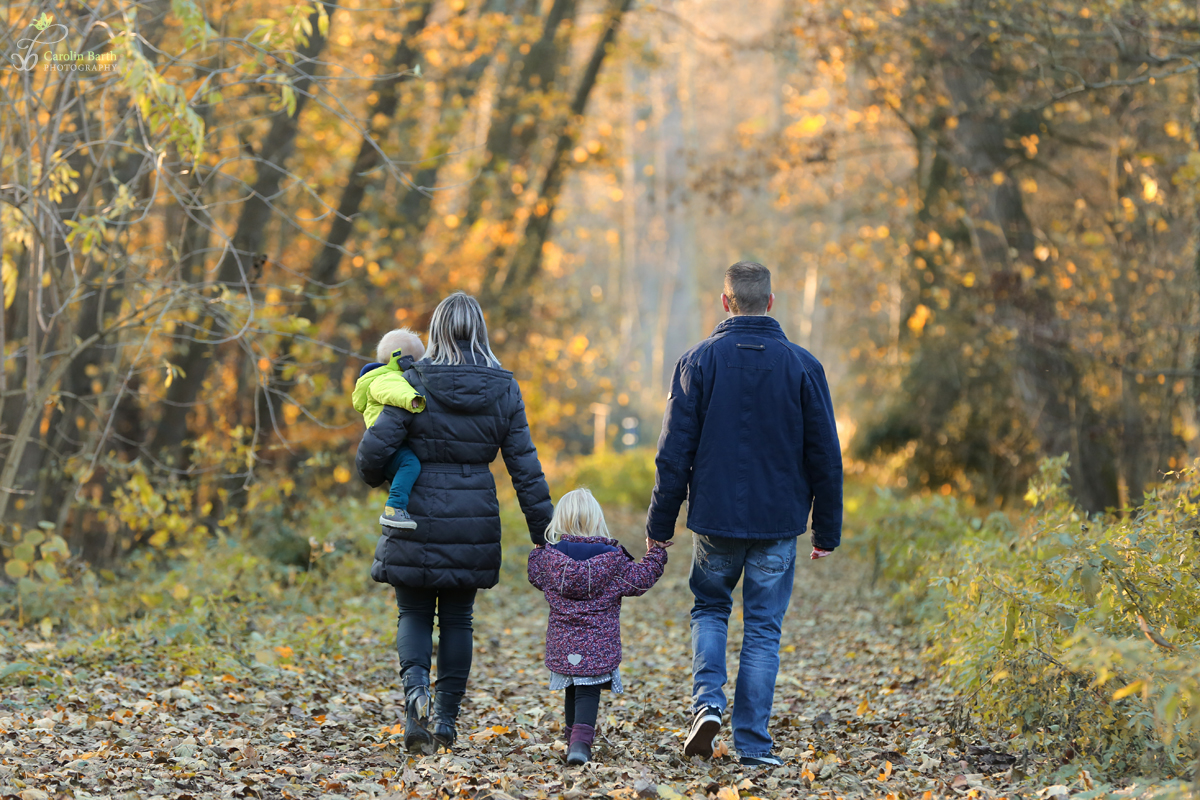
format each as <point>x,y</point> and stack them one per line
<point>819,553</point>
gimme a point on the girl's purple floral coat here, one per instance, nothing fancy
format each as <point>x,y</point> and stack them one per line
<point>584,586</point>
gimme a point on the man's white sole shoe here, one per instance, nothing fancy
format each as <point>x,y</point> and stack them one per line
<point>704,733</point>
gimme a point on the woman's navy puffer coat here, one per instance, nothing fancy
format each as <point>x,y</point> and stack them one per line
<point>471,412</point>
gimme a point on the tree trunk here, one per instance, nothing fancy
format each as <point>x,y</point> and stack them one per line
<point>512,298</point>
<point>370,156</point>
<point>513,133</point>
<point>64,438</point>
<point>1048,381</point>
<point>32,413</point>
<point>234,269</point>
<point>1193,412</point>
<point>324,269</point>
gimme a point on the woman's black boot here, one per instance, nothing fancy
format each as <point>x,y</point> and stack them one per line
<point>416,712</point>
<point>445,714</point>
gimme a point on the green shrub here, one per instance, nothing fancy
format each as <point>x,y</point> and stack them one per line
<point>328,551</point>
<point>1078,635</point>
<point>620,481</point>
<point>623,480</point>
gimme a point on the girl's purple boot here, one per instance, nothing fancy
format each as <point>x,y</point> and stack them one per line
<point>580,751</point>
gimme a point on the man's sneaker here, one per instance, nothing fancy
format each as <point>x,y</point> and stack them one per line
<point>761,761</point>
<point>396,518</point>
<point>704,732</point>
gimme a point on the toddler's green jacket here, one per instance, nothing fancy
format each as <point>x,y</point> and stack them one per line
<point>385,386</point>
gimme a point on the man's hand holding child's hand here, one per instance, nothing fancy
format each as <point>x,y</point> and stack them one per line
<point>653,543</point>
<point>819,553</point>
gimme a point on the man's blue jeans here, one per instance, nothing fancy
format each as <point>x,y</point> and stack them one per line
<point>769,567</point>
<point>402,473</point>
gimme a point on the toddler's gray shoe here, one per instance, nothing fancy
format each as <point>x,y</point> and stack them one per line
<point>396,518</point>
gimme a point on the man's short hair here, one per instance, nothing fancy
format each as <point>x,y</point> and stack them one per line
<point>748,287</point>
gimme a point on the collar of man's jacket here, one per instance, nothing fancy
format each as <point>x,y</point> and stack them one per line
<point>751,323</point>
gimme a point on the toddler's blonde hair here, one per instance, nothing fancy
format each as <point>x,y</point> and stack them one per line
<point>401,339</point>
<point>576,514</point>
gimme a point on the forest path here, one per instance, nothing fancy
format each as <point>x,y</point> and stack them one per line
<point>857,712</point>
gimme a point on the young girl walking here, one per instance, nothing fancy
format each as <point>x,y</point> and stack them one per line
<point>584,575</point>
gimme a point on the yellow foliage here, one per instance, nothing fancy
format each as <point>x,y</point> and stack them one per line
<point>807,126</point>
<point>919,318</point>
<point>1058,606</point>
<point>8,276</point>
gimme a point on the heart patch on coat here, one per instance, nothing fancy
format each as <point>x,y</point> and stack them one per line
<point>574,658</point>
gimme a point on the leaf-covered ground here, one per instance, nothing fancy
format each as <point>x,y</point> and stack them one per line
<point>299,698</point>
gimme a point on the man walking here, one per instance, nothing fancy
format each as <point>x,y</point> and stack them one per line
<point>749,439</point>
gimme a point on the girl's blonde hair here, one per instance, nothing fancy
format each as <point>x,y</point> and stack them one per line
<point>576,514</point>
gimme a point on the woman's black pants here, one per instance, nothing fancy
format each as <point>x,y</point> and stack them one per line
<point>414,634</point>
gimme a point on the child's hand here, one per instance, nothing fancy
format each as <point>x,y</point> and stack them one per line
<point>653,543</point>
<point>819,553</point>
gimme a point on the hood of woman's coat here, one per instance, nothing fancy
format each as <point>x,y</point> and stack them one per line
<point>466,388</point>
<point>583,566</point>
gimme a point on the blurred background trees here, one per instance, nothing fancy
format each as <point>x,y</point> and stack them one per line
<point>1049,281</point>
<point>980,215</point>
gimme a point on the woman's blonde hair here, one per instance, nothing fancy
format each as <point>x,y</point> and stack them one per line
<point>576,514</point>
<point>456,319</point>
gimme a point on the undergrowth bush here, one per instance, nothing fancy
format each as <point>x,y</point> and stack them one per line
<point>267,543</point>
<point>619,480</point>
<point>189,581</point>
<point>1077,635</point>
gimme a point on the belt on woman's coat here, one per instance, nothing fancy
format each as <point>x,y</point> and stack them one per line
<point>465,469</point>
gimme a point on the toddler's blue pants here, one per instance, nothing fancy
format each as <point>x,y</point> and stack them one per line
<point>402,471</point>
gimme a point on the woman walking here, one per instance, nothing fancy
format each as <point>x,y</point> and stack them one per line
<point>473,409</point>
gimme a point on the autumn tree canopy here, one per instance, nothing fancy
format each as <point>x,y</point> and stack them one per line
<point>981,217</point>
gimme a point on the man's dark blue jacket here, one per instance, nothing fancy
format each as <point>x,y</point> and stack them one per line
<point>749,439</point>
